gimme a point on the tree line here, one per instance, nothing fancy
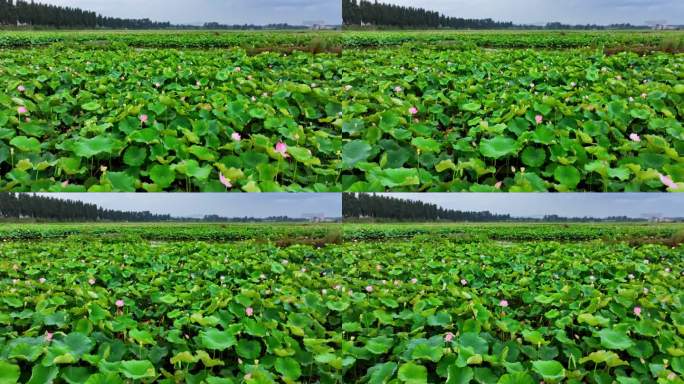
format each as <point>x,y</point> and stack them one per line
<point>365,12</point>
<point>24,13</point>
<point>365,206</point>
<point>28,206</point>
<point>24,206</point>
<point>32,13</point>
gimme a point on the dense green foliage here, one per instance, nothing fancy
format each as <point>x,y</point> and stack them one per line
<point>166,231</point>
<point>164,119</point>
<point>423,118</point>
<point>403,311</point>
<point>167,39</point>
<point>449,40</point>
<point>514,231</point>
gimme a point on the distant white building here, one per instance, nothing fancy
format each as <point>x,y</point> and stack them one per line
<point>315,217</point>
<point>318,25</point>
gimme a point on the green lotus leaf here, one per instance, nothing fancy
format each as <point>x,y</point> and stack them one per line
<point>412,373</point>
<point>549,370</point>
<point>355,151</point>
<point>498,147</point>
<point>381,373</point>
<point>9,373</point>
<point>94,146</point>
<point>614,339</point>
<point>567,175</point>
<point>379,345</point>
<point>137,369</point>
<point>288,367</point>
<point>26,144</point>
<point>215,339</point>
<point>91,106</point>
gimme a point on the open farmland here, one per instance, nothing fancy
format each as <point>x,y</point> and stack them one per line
<point>149,112</point>
<point>513,111</point>
<point>431,308</point>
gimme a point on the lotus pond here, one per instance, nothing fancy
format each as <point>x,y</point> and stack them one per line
<point>123,118</point>
<point>404,310</point>
<point>425,116</point>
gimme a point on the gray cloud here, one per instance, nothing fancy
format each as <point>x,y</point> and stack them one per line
<point>223,204</point>
<point>222,11</point>
<point>564,204</point>
<point>567,11</point>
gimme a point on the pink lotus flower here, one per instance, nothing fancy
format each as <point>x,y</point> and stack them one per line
<point>48,336</point>
<point>634,137</point>
<point>225,181</point>
<point>91,281</point>
<point>238,69</point>
<point>397,89</point>
<point>28,119</point>
<point>538,119</point>
<point>637,311</point>
<point>503,303</point>
<point>281,148</point>
<point>143,118</point>
<point>42,280</point>
<point>65,183</point>
<point>369,288</point>
<point>448,337</point>
<point>249,311</point>
<point>119,303</point>
<point>21,88</point>
<point>413,110</point>
<point>498,185</point>
<point>464,282</point>
<point>236,136</point>
<point>414,280</point>
<point>157,85</point>
<point>22,110</point>
<point>666,180</point>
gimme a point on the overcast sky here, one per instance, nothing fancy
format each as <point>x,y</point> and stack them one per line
<point>568,11</point>
<point>224,204</point>
<point>563,204</point>
<point>293,12</point>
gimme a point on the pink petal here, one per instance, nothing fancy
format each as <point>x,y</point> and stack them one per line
<point>666,180</point>
<point>225,181</point>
